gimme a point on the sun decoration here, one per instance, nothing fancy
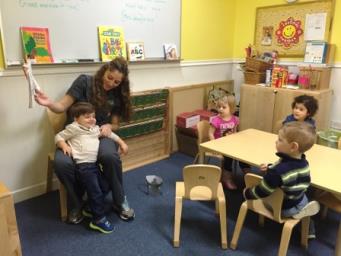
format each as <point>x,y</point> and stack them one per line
<point>289,32</point>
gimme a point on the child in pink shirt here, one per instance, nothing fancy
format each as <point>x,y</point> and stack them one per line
<point>223,124</point>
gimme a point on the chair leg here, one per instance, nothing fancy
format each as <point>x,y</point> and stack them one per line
<point>239,225</point>
<point>196,159</point>
<point>338,242</point>
<point>49,176</point>
<point>304,231</point>
<point>63,201</point>
<point>177,221</point>
<point>223,227</point>
<point>286,234</point>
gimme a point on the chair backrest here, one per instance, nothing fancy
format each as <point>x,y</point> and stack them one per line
<point>56,120</point>
<point>197,176</point>
<point>274,201</point>
<point>203,127</point>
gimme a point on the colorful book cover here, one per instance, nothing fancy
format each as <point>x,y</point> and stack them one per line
<point>36,44</point>
<point>135,51</point>
<point>170,52</point>
<point>111,42</point>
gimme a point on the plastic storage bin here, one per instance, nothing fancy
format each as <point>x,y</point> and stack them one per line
<point>329,138</point>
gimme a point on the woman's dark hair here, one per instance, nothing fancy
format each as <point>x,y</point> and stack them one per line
<point>99,98</point>
<point>309,102</point>
<point>81,108</point>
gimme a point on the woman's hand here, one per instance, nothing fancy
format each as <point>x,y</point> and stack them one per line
<point>105,130</point>
<point>42,99</point>
<point>123,148</point>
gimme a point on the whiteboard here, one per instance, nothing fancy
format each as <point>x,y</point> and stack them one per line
<point>73,25</point>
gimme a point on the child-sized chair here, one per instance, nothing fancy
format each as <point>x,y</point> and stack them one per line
<point>261,206</point>
<point>201,182</point>
<point>203,127</point>
<point>57,123</point>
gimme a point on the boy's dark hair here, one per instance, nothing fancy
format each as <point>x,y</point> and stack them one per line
<point>303,133</point>
<point>309,102</point>
<point>81,108</point>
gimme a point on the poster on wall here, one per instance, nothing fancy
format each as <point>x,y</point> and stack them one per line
<point>284,28</point>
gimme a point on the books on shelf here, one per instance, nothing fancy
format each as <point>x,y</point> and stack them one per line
<point>170,51</point>
<point>111,42</point>
<point>135,51</point>
<point>36,44</point>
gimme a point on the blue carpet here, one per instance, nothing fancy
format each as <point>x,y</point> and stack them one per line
<point>42,233</point>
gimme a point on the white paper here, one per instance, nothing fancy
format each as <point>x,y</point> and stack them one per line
<point>33,85</point>
<point>315,26</point>
<point>314,52</point>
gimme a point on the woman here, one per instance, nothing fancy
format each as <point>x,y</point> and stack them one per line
<point>109,92</point>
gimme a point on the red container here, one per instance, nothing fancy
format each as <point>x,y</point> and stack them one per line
<point>187,119</point>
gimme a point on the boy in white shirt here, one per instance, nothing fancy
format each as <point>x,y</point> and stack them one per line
<point>80,140</point>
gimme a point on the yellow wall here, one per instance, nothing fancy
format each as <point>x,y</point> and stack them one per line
<point>245,24</point>
<point>207,29</point>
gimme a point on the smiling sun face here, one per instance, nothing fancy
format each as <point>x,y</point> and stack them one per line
<point>289,32</point>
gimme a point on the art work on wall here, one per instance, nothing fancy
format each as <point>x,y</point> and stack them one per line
<point>281,28</point>
<point>289,32</point>
<point>267,35</point>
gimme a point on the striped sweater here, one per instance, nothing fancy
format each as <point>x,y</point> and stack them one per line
<point>290,174</point>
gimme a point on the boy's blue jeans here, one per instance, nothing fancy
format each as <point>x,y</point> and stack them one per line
<point>91,178</point>
<point>296,209</point>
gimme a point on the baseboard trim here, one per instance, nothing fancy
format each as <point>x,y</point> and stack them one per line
<point>32,191</point>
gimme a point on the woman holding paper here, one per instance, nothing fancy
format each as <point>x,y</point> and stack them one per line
<point>109,91</point>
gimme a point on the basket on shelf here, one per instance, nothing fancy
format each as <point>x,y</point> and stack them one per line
<point>256,65</point>
<point>251,77</point>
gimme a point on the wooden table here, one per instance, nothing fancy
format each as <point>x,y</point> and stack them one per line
<point>257,147</point>
<point>9,236</point>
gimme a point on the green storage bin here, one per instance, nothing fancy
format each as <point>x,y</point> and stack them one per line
<point>329,138</point>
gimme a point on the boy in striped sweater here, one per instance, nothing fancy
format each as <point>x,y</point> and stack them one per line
<point>291,173</point>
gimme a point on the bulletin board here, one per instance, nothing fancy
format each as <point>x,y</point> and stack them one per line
<point>282,27</point>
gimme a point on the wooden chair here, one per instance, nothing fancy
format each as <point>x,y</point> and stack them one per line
<point>329,200</point>
<point>201,182</point>
<point>57,122</point>
<point>261,206</point>
<point>9,235</point>
<point>203,128</point>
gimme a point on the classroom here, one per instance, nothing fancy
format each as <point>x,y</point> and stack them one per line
<point>212,40</point>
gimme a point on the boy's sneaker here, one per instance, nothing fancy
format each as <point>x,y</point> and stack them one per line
<point>125,212</point>
<point>75,216</point>
<point>103,225</point>
<point>87,212</point>
<point>310,209</point>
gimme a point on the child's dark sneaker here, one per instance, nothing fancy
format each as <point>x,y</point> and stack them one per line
<point>75,216</point>
<point>310,209</point>
<point>103,225</point>
<point>87,212</point>
<point>125,212</point>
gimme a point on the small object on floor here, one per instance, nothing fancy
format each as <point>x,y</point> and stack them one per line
<point>125,212</point>
<point>154,185</point>
<point>103,225</point>
<point>310,209</point>
<point>75,216</point>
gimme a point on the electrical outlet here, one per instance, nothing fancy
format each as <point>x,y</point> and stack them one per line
<point>336,125</point>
